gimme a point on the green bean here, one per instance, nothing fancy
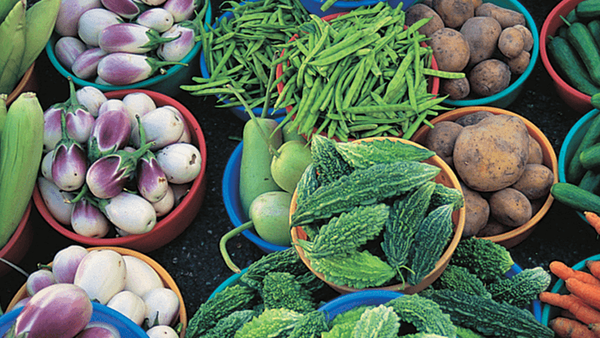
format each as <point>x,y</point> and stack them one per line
<point>224,60</point>
<point>442,74</point>
<point>315,49</point>
<point>394,86</point>
<point>345,51</point>
<point>195,88</point>
<point>302,114</point>
<point>287,88</point>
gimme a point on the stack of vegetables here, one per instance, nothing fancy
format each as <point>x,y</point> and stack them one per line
<point>278,297</point>
<point>127,157</point>
<point>124,42</point>
<point>23,34</point>
<point>575,50</point>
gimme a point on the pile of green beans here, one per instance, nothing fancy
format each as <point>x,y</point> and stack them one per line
<point>239,51</point>
<point>362,74</point>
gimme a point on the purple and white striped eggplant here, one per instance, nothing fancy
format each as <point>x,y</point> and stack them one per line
<point>110,133</point>
<point>91,97</point>
<point>130,38</point>
<point>69,13</point>
<point>127,68</point>
<point>153,2</point>
<point>92,22</point>
<point>85,65</point>
<point>181,9</point>
<point>69,162</point>
<point>57,311</point>
<point>79,119</point>
<point>156,18</point>
<point>127,9</point>
<point>87,220</point>
<point>152,183</point>
<point>129,212</point>
<point>108,175</point>
<point>177,49</point>
<point>38,280</point>
<point>67,49</point>
<point>99,330</point>
<point>66,261</point>
<point>165,204</point>
<point>112,104</point>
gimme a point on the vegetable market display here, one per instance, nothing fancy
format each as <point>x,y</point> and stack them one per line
<point>490,305</point>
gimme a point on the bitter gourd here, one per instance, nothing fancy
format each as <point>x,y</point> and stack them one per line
<point>270,323</point>
<point>430,240</point>
<point>311,325</point>
<point>232,298</point>
<point>347,232</point>
<point>447,195</point>
<point>307,184</point>
<point>327,160</point>
<point>488,317</point>
<point>522,288</point>
<point>226,327</point>
<point>457,277</point>
<point>365,154</point>
<point>359,269</point>
<point>286,260</point>
<point>363,186</point>
<point>463,332</point>
<point>482,257</point>
<point>424,314</point>
<point>281,290</point>
<point>380,321</point>
<point>404,218</point>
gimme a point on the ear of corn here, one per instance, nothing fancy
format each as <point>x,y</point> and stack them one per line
<point>20,156</point>
<point>40,19</point>
<point>12,40</point>
<point>5,7</point>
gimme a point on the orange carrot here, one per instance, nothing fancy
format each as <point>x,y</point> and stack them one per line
<point>595,328</point>
<point>567,328</point>
<point>563,271</point>
<point>567,314</point>
<point>587,292</point>
<point>594,267</point>
<point>593,219</point>
<point>583,312</point>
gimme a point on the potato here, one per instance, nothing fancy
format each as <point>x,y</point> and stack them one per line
<point>535,181</point>
<point>506,17</point>
<point>493,228</point>
<point>477,211</point>
<point>510,207</point>
<point>450,49</point>
<point>492,154</point>
<point>454,12</point>
<point>536,155</point>
<point>456,89</point>
<point>441,139</point>
<point>473,118</point>
<point>482,33</point>
<point>489,77</point>
<point>527,37</point>
<point>419,11</point>
<point>476,3</point>
<point>510,42</point>
<point>519,64</point>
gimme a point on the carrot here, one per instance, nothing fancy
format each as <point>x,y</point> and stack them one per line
<point>583,312</point>
<point>566,328</point>
<point>567,314</point>
<point>593,219</point>
<point>564,272</point>
<point>587,292</point>
<point>595,328</point>
<point>594,267</point>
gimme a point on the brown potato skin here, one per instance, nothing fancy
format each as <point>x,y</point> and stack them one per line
<point>527,37</point>
<point>419,11</point>
<point>535,182</point>
<point>476,3</point>
<point>489,77</point>
<point>493,228</point>
<point>510,207</point>
<point>477,211</point>
<point>482,33</point>
<point>450,49</point>
<point>492,154</point>
<point>456,89</point>
<point>506,17</point>
<point>510,42</point>
<point>519,64</point>
<point>536,155</point>
<point>428,3</point>
<point>441,139</point>
<point>454,12</point>
<point>473,118</point>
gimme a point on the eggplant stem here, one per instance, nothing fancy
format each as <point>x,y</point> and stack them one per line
<point>227,237</point>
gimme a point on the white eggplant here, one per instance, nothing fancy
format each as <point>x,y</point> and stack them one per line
<point>129,212</point>
<point>162,331</point>
<point>93,21</point>
<point>181,162</point>
<point>67,49</point>
<point>138,103</point>
<point>89,221</point>
<point>101,274</point>
<point>165,204</point>
<point>141,277</point>
<point>97,329</point>
<point>56,200</point>
<point>162,306</point>
<point>156,18</point>
<point>91,98</point>
<point>66,261</point>
<point>130,305</point>
<point>38,280</point>
<point>69,13</point>
<point>46,166</point>
<point>162,126</point>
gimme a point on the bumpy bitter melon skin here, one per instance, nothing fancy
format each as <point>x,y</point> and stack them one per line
<point>522,288</point>
<point>488,317</point>
<point>359,269</point>
<point>307,184</point>
<point>424,314</point>
<point>363,186</point>
<point>286,260</point>
<point>482,257</point>
<point>365,154</point>
<point>327,160</point>
<point>311,325</point>
<point>457,277</point>
<point>380,321</point>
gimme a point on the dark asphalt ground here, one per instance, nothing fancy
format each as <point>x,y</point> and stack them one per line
<point>193,258</point>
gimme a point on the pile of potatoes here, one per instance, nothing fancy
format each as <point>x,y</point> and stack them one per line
<point>487,42</point>
<point>500,166</point>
